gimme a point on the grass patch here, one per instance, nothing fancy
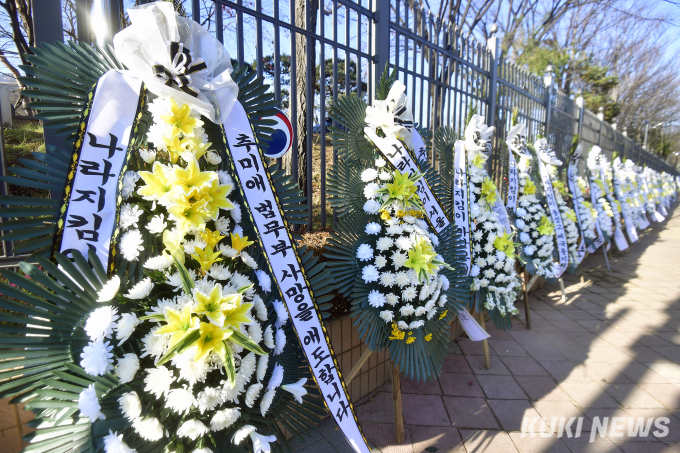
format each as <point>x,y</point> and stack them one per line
<point>20,141</point>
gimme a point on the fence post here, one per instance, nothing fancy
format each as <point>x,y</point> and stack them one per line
<point>600,116</point>
<point>547,81</point>
<point>382,38</point>
<point>492,46</point>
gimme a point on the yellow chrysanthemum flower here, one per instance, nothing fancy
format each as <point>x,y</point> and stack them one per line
<point>443,315</point>
<point>396,334</point>
<point>410,340</point>
<point>428,337</point>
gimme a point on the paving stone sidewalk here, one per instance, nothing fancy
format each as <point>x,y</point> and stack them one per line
<point>611,350</point>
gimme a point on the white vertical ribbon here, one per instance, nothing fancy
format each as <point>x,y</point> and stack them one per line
<point>560,235</point>
<point>91,200</point>
<point>461,199</point>
<point>513,181</point>
<point>571,181</point>
<point>399,156</point>
<point>281,252</point>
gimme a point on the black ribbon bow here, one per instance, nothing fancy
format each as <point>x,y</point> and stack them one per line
<point>182,66</point>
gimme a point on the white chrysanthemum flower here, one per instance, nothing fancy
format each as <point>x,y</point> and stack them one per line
<point>402,278</point>
<point>370,190</point>
<point>248,367</point>
<point>529,250</point>
<point>255,332</point>
<point>109,289</point>
<point>404,243</point>
<point>266,401</point>
<point>192,429</point>
<point>297,389</point>
<point>444,281</point>
<point>209,399</point>
<point>407,310</point>
<point>131,243</point>
<point>149,429</point>
<point>387,316</point>
<point>402,325</point>
<point>370,274</point>
<point>524,237</point>
<point>225,178</point>
<point>376,299</point>
<point>521,212</point>
<point>484,283</point>
<point>365,252</point>
<point>391,299</point>
<point>520,223</point>
<point>180,401</point>
<point>190,369</point>
<point>113,443</point>
<point>101,322</point>
<point>89,406</point>
<point>380,261</point>
<point>385,176</point>
<point>368,175</point>
<point>130,405</point>
<point>500,255</point>
<point>129,182</point>
<point>280,341</point>
<point>398,259</point>
<point>387,279</point>
<point>222,225</point>
<point>97,358</point>
<point>371,207</point>
<point>420,311</point>
<point>212,158</point>
<point>252,393</point>
<point>416,324</point>
<point>380,162</point>
<point>384,243</point>
<point>489,273</point>
<point>235,213</point>
<point>157,224</point>
<point>281,313</point>
<point>269,337</point>
<point>259,307</point>
<point>129,215</point>
<point>219,272</point>
<point>490,260</point>
<point>394,230</point>
<point>264,281</point>
<point>141,289</point>
<point>262,367</point>
<point>158,263</point>
<point>277,377</point>
<point>158,381</point>
<point>474,271</point>
<point>127,367</point>
<point>373,228</point>
<point>224,419</point>
<point>250,262</point>
<point>154,345</point>
<point>191,246</point>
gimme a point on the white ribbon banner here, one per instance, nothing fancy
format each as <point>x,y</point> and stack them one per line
<point>571,180</point>
<point>461,200</point>
<point>90,209</point>
<point>281,253</point>
<point>513,181</point>
<point>472,328</point>
<point>600,235</point>
<point>556,216</point>
<point>619,238</point>
<point>399,156</point>
<point>502,214</point>
<point>419,148</point>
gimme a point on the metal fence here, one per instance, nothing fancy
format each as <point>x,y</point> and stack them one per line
<point>313,54</point>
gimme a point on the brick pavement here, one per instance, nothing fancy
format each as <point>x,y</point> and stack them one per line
<point>611,350</point>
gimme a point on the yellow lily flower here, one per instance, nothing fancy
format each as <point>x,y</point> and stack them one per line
<point>157,183</point>
<point>211,305</point>
<point>236,312</point>
<point>420,258</point>
<point>545,226</point>
<point>188,215</point>
<point>504,244</point>
<point>206,257</point>
<point>488,191</point>
<point>197,147</point>
<point>478,161</point>
<point>403,189</point>
<point>172,242</point>
<point>178,323</point>
<point>180,119</point>
<point>529,187</point>
<point>571,215</point>
<point>176,145</point>
<point>239,243</point>
<point>218,198</point>
<point>212,338</point>
<point>192,178</point>
<point>211,238</point>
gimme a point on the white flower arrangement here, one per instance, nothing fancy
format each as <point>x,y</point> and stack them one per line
<point>605,214</point>
<point>493,258</point>
<point>587,213</point>
<point>399,261</point>
<point>197,316</point>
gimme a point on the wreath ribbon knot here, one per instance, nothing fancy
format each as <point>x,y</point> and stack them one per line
<point>181,68</point>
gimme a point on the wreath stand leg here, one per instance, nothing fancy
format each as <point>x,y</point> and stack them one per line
<point>396,393</point>
<point>606,260</point>
<point>525,290</point>
<point>485,343</point>
<point>564,295</point>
